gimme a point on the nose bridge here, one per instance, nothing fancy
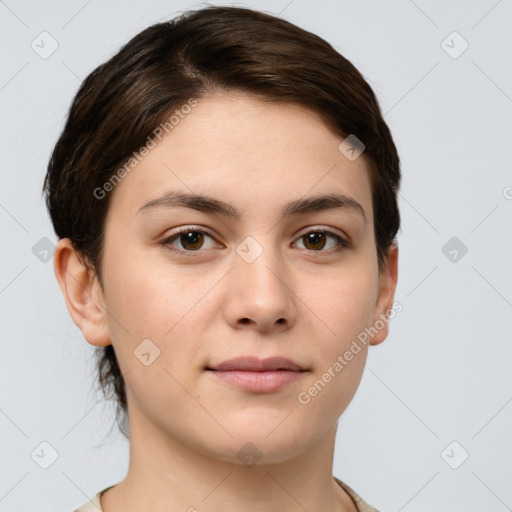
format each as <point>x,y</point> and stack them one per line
<point>259,265</point>
<point>259,286</point>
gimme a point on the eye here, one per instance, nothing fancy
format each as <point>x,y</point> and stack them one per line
<point>317,240</point>
<point>190,239</point>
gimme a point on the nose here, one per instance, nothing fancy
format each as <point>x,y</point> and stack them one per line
<point>259,294</point>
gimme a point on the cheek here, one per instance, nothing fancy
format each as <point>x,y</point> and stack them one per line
<point>343,304</point>
<point>147,293</point>
<point>344,307</point>
<point>171,308</point>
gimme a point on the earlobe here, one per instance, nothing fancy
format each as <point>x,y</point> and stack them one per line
<point>82,293</point>
<point>387,286</point>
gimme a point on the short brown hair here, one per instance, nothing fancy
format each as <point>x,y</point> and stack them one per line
<point>215,48</point>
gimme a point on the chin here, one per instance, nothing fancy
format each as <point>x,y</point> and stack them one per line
<point>251,444</point>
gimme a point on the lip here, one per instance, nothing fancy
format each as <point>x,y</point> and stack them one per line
<point>258,375</point>
<point>253,364</point>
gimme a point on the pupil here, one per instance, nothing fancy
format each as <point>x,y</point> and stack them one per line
<point>192,238</point>
<point>316,239</point>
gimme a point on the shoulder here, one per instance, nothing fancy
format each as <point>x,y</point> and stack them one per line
<point>361,505</point>
<point>94,504</point>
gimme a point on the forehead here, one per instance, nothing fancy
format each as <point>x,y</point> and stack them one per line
<point>249,152</point>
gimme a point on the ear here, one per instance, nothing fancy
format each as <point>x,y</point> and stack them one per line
<point>384,304</point>
<point>82,293</point>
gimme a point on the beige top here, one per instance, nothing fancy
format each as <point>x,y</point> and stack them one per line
<point>93,505</point>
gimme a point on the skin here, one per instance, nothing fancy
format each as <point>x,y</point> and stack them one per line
<point>299,300</point>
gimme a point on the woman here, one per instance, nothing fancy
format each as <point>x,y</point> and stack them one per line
<point>224,193</point>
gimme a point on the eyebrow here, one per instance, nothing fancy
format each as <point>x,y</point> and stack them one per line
<point>208,204</point>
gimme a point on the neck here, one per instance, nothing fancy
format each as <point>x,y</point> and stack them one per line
<point>165,474</point>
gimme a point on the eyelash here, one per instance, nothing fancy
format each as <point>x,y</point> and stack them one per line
<point>341,243</point>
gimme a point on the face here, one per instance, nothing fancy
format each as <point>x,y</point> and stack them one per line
<point>261,270</point>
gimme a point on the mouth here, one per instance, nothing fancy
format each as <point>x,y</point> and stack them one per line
<point>257,376</point>
<point>253,364</point>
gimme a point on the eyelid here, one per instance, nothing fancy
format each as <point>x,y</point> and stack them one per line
<point>186,229</point>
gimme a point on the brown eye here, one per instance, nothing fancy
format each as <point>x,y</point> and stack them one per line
<point>314,241</point>
<point>319,240</point>
<point>192,240</point>
<point>189,240</point>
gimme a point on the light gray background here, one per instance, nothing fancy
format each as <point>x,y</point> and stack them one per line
<point>443,374</point>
